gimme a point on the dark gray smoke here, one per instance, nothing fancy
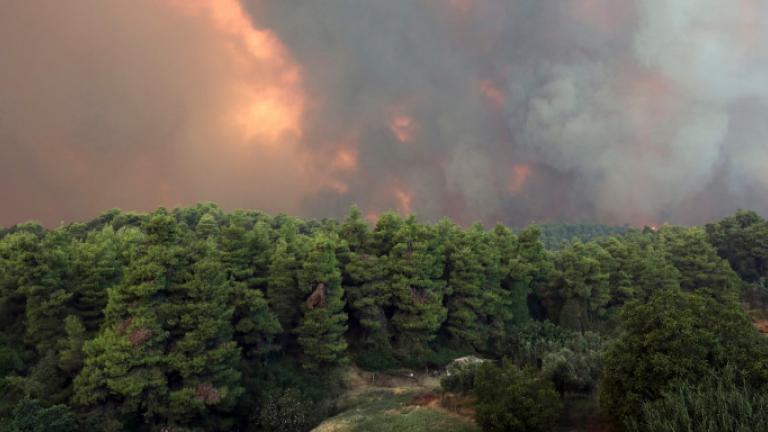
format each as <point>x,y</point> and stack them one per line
<point>639,111</point>
<point>626,111</point>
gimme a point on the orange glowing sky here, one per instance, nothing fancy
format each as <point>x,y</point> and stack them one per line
<point>263,109</point>
<point>506,110</point>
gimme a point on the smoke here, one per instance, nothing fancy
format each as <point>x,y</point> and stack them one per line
<point>493,110</point>
<point>144,103</point>
<point>616,111</point>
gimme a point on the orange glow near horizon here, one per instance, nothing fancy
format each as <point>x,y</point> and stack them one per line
<point>604,15</point>
<point>345,160</point>
<point>267,96</point>
<point>404,200</point>
<point>403,127</point>
<point>372,217</point>
<point>520,175</point>
<point>461,5</point>
<point>492,93</point>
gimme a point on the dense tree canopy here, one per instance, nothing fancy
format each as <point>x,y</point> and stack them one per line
<point>197,319</point>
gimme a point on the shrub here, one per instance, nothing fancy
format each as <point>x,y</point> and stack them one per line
<point>527,345</point>
<point>514,400</point>
<point>721,403</point>
<point>30,416</point>
<point>460,377</point>
<point>289,411</point>
<point>674,338</point>
<point>573,371</point>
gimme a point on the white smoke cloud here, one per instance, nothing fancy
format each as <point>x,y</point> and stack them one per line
<point>650,126</point>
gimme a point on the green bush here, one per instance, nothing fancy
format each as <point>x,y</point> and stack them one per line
<point>573,371</point>
<point>30,416</point>
<point>677,337</point>
<point>376,360</point>
<point>721,403</point>
<point>460,378</point>
<point>510,399</point>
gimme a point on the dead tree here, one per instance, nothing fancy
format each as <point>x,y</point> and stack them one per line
<point>317,298</point>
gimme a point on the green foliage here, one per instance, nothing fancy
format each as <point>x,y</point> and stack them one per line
<point>555,236</point>
<point>579,291</point>
<point>417,290</point>
<point>321,332</point>
<point>166,352</point>
<point>674,338</point>
<point>30,416</point>
<point>742,239</point>
<point>71,348</point>
<point>720,402</point>
<point>574,370</point>
<point>289,388</point>
<point>514,400</point>
<point>701,269</point>
<point>194,319</point>
<point>460,378</point>
<point>385,411</point>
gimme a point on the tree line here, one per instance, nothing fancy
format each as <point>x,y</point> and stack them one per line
<point>197,319</point>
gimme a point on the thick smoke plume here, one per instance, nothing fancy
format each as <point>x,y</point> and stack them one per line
<point>638,111</point>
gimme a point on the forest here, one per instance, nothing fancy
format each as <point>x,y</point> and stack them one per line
<point>195,319</point>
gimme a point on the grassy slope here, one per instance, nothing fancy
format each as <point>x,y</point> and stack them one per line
<point>393,407</point>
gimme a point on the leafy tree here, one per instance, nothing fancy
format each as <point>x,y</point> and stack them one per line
<point>676,337</point>
<point>510,399</point>
<point>574,369</point>
<point>460,378</point>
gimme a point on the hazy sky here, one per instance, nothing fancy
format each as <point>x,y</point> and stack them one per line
<point>638,111</point>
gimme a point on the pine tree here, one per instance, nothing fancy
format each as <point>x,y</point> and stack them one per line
<point>96,266</point>
<point>417,288</point>
<point>742,239</point>
<point>245,255</point>
<point>207,226</point>
<point>368,295</point>
<point>701,269</point>
<point>35,296</point>
<point>466,288</point>
<point>355,231</point>
<point>165,352</point>
<point>525,266</point>
<point>580,285</point>
<point>71,348</point>
<point>323,324</point>
<point>202,355</point>
<point>283,291</point>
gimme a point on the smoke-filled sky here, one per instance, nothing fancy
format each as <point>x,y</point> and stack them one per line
<point>636,111</point>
